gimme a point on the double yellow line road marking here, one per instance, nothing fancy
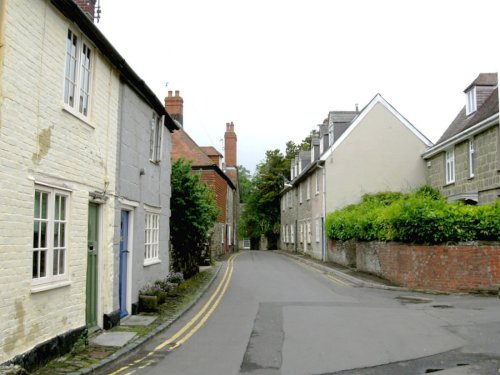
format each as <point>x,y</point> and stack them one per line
<point>326,274</point>
<point>190,328</point>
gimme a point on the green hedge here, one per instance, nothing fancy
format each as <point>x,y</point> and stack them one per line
<point>420,217</point>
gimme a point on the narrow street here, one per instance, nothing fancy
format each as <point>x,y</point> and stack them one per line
<point>267,314</point>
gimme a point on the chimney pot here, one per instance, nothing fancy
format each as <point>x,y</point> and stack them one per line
<point>176,92</point>
<point>169,92</point>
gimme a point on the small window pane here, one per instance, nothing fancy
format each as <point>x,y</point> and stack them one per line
<point>62,236</point>
<point>61,261</point>
<point>37,205</point>
<point>36,254</point>
<point>44,204</point>
<point>42,263</point>
<point>43,235</point>
<point>55,263</point>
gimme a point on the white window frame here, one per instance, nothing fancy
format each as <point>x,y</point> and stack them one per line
<point>78,72</point>
<point>330,134</point>
<point>52,220</point>
<point>156,137</point>
<point>450,166</point>
<point>151,237</point>
<point>309,234</point>
<point>472,157</point>
<point>229,239</point>
<point>292,234</point>
<point>282,233</point>
<point>301,232</point>
<point>317,229</point>
<point>317,182</point>
<point>471,102</point>
<point>308,188</point>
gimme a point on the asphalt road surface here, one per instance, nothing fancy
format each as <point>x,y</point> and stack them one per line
<point>268,314</point>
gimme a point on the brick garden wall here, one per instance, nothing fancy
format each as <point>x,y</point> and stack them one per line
<point>457,268</point>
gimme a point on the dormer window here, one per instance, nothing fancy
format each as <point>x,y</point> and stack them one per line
<point>471,104</point>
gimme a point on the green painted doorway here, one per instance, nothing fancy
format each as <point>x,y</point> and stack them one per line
<point>92,249</point>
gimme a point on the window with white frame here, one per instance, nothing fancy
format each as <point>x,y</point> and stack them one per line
<point>309,231</point>
<point>317,231</point>
<point>286,233</point>
<point>292,234</point>
<point>450,166</point>
<point>317,174</point>
<point>472,158</point>
<point>330,135</point>
<point>282,233</point>
<point>50,235</point>
<point>156,138</point>
<point>151,237</point>
<point>308,188</point>
<point>470,104</point>
<point>78,72</point>
<point>229,239</point>
<point>301,232</point>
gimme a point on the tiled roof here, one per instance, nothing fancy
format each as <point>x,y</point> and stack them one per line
<point>484,79</point>
<point>183,146</point>
<point>463,122</point>
<point>210,151</point>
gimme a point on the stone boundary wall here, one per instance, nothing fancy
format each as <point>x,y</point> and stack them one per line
<point>468,267</point>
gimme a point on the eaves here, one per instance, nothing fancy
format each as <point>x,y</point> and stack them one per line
<point>460,137</point>
<point>217,170</point>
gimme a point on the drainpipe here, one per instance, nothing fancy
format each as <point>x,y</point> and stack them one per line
<point>323,232</point>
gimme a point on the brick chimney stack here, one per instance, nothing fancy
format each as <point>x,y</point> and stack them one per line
<point>230,152</point>
<point>88,7</point>
<point>175,106</point>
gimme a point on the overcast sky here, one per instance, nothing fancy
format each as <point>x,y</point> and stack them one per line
<point>277,67</point>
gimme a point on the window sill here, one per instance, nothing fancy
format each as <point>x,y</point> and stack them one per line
<point>449,184</point>
<point>80,117</point>
<point>151,262</point>
<point>37,288</point>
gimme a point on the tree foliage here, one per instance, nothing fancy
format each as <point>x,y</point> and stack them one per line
<point>194,212</point>
<point>244,183</point>
<point>261,213</point>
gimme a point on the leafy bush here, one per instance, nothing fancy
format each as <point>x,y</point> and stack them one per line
<point>421,217</point>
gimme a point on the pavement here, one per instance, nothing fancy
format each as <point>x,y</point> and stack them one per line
<point>109,346</point>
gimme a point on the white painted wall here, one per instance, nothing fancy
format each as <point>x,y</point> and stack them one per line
<point>379,154</point>
<point>40,142</point>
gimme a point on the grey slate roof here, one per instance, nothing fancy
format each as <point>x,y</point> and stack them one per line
<point>341,116</point>
<point>463,122</point>
<point>484,79</point>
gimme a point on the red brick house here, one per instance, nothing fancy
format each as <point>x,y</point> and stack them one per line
<point>221,177</point>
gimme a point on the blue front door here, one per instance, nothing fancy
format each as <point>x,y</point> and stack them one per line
<point>123,263</point>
